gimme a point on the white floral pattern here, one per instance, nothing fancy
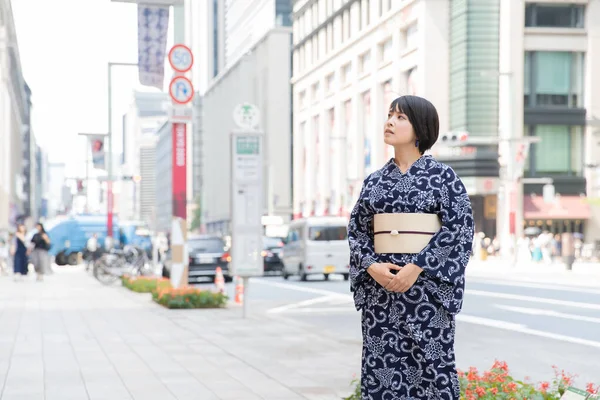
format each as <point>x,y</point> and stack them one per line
<point>408,338</point>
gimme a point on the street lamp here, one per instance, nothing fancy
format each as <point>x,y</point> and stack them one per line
<point>109,180</point>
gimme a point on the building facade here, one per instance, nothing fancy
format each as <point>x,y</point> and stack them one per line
<point>261,77</point>
<point>13,109</point>
<point>501,71</point>
<point>147,113</point>
<point>351,59</point>
<point>164,179</point>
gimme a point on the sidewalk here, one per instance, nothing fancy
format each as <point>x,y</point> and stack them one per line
<point>582,274</point>
<point>70,338</point>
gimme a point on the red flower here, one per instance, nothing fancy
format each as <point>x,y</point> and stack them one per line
<point>591,388</point>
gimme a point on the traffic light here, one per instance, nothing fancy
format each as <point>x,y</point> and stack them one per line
<point>454,138</point>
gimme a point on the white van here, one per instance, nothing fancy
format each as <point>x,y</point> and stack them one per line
<point>317,245</point>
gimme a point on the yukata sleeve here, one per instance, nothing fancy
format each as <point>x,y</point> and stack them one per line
<point>360,239</point>
<point>449,250</point>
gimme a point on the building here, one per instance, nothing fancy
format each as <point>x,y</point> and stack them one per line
<point>238,46</point>
<point>147,180</point>
<point>13,113</point>
<point>261,78</point>
<point>502,71</point>
<point>147,113</point>
<point>350,61</point>
<point>550,54</point>
<point>164,179</point>
<point>248,21</point>
<point>58,203</point>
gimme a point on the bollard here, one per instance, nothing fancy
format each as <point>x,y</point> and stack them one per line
<point>568,250</point>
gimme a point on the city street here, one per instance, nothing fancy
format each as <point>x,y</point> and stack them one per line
<point>530,326</point>
<point>71,338</point>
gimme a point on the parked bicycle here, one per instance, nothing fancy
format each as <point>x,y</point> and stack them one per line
<point>111,265</point>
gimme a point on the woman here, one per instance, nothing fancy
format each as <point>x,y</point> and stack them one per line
<point>19,253</point>
<point>409,301</point>
<point>39,254</point>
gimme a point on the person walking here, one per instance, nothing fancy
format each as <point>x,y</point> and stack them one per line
<point>409,300</point>
<point>19,254</point>
<point>39,253</point>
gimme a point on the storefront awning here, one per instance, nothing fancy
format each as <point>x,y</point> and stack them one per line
<point>564,207</point>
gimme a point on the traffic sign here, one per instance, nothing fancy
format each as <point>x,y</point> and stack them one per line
<point>181,58</point>
<point>246,116</point>
<point>181,90</point>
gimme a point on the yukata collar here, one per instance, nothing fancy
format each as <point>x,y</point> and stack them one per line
<point>392,167</point>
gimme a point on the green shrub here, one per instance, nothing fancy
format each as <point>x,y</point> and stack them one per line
<point>189,297</point>
<point>144,284</point>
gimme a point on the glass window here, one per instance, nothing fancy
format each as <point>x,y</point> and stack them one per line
<point>385,50</point>
<point>554,15</point>
<point>272,242</point>
<point>365,62</point>
<point>206,245</point>
<point>577,151</point>
<point>347,73</point>
<point>553,78</point>
<point>330,82</point>
<point>552,152</point>
<point>560,151</point>
<point>327,233</point>
<point>411,36</point>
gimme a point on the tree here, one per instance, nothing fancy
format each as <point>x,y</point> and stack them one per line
<point>197,217</point>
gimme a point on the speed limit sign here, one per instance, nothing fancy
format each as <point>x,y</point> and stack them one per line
<point>181,58</point>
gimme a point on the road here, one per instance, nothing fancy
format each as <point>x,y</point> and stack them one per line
<point>530,326</point>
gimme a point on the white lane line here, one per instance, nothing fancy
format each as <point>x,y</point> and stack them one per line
<point>548,313</point>
<point>294,306</point>
<point>523,329</point>
<point>532,299</point>
<point>320,310</point>
<point>299,288</point>
<point>532,285</point>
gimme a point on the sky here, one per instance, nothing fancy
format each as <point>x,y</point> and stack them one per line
<point>64,47</point>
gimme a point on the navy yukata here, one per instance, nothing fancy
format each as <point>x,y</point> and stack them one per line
<point>408,338</point>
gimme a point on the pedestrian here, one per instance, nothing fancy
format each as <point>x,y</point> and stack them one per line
<point>19,253</point>
<point>409,300</point>
<point>4,255</point>
<point>39,252</point>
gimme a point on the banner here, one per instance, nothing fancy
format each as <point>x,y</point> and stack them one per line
<point>153,23</point>
<point>98,155</point>
<point>179,171</point>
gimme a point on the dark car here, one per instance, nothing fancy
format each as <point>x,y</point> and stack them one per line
<point>206,253</point>
<point>271,250</point>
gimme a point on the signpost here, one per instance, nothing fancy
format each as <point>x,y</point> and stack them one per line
<point>246,196</point>
<point>181,91</point>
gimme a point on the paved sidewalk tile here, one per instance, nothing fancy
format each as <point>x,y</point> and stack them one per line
<point>70,337</point>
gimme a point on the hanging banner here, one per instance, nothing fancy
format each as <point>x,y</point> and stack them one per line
<point>98,155</point>
<point>179,171</point>
<point>153,23</point>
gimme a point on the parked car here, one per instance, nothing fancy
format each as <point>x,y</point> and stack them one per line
<point>316,245</point>
<point>271,254</point>
<point>206,253</point>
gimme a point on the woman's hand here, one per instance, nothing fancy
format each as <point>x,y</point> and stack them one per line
<point>381,272</point>
<point>404,279</point>
<point>46,238</point>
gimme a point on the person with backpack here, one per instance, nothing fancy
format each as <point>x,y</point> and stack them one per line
<point>39,253</point>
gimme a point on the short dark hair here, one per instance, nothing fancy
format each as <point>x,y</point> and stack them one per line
<point>423,117</point>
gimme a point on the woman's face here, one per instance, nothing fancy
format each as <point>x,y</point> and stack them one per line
<point>21,229</point>
<point>39,228</point>
<point>397,130</point>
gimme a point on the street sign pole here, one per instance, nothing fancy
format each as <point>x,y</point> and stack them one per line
<point>247,161</point>
<point>182,93</point>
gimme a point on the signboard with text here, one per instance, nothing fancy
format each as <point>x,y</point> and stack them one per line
<point>179,170</point>
<point>246,203</point>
